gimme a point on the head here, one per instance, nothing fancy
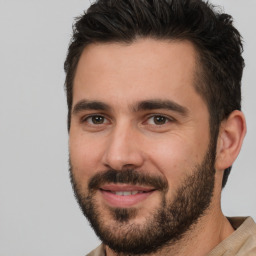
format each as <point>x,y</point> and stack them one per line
<point>162,34</point>
<point>217,41</point>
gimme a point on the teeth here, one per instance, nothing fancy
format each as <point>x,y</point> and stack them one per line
<point>125,193</point>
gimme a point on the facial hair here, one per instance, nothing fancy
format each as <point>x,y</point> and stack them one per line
<point>166,225</point>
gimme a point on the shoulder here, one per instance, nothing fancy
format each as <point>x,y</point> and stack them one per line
<point>99,251</point>
<point>242,242</point>
<point>247,232</point>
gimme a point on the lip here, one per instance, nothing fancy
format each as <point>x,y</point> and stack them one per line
<point>125,201</point>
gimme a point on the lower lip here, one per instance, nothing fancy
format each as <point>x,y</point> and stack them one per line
<point>124,201</point>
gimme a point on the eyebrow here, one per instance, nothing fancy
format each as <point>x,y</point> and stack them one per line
<point>153,104</point>
<point>161,104</point>
<point>89,105</point>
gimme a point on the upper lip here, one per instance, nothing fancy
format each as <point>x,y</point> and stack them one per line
<point>126,187</point>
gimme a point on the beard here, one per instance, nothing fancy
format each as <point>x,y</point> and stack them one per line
<point>165,225</point>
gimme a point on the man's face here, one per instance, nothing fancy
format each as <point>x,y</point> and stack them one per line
<point>142,165</point>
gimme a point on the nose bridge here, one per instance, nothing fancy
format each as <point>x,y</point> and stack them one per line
<point>122,149</point>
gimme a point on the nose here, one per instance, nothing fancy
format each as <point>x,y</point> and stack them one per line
<point>123,149</point>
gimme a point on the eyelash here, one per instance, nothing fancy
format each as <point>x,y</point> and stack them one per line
<point>86,118</point>
<point>167,119</point>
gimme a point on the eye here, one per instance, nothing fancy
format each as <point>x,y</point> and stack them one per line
<point>158,120</point>
<point>96,120</point>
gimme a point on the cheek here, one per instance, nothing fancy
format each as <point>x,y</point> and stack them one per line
<point>85,155</point>
<point>176,158</point>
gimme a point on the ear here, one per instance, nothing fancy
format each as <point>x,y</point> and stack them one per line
<point>230,139</point>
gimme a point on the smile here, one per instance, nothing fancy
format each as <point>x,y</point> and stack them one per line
<point>125,195</point>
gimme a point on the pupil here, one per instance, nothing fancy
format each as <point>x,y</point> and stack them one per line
<point>97,119</point>
<point>159,119</point>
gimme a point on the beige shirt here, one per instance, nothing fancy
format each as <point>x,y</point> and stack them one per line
<point>242,242</point>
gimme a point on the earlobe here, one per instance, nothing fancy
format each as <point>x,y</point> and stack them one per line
<point>230,139</point>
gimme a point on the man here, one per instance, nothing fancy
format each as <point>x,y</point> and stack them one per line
<point>153,91</point>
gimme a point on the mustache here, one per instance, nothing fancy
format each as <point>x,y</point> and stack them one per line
<point>128,176</point>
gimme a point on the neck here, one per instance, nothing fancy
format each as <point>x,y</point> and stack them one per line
<point>202,237</point>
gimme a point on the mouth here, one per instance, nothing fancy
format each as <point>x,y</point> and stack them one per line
<point>124,196</point>
<point>126,193</point>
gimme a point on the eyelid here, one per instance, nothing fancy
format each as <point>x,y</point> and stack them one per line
<point>86,117</point>
<point>169,118</point>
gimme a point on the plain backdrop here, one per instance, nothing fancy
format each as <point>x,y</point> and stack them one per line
<point>38,213</point>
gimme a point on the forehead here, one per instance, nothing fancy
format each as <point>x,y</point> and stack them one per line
<point>142,70</point>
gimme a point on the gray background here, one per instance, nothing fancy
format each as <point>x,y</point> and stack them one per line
<point>38,213</point>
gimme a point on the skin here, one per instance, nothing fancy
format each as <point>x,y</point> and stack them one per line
<point>122,76</point>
